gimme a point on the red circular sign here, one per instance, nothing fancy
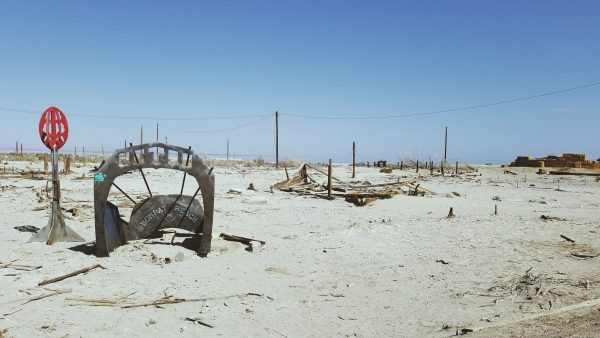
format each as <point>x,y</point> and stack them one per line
<point>54,129</point>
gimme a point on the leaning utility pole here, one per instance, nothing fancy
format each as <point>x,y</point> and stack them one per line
<point>353,159</point>
<point>276,140</point>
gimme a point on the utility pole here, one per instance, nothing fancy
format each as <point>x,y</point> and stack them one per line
<point>353,159</point>
<point>227,149</point>
<point>17,148</point>
<point>142,134</point>
<point>276,140</point>
<point>329,172</point>
<point>446,146</point>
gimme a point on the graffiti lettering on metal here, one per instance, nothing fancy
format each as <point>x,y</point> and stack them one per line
<point>53,128</point>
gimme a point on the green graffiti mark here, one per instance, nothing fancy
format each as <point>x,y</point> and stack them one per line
<point>99,178</point>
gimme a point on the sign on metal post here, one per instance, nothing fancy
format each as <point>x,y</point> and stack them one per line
<point>54,131</point>
<point>54,128</point>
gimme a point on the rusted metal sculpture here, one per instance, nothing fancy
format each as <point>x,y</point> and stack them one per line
<point>54,131</point>
<point>156,212</point>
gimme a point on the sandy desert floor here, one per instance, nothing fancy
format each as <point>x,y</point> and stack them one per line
<point>397,268</point>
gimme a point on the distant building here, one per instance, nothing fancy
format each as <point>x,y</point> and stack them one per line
<point>564,161</point>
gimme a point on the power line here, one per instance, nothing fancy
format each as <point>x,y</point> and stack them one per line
<point>153,118</point>
<point>221,130</point>
<point>442,111</point>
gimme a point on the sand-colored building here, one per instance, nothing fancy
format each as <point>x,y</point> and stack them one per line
<point>564,161</point>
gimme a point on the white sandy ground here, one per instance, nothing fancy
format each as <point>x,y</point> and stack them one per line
<point>329,268</point>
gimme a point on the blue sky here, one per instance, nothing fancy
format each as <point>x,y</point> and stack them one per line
<point>227,59</point>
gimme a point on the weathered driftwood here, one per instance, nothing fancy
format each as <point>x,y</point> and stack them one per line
<point>54,293</point>
<point>74,273</point>
<point>199,321</point>
<point>240,239</point>
<point>567,238</point>
<point>19,266</point>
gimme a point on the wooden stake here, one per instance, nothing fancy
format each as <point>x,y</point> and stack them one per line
<point>451,213</point>
<point>353,159</point>
<point>401,165</point>
<point>417,166</point>
<point>456,168</point>
<point>442,165</point>
<point>495,209</point>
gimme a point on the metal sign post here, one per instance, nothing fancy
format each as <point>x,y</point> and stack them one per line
<point>54,131</point>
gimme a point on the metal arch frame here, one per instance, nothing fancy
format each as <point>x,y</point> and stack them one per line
<point>111,169</point>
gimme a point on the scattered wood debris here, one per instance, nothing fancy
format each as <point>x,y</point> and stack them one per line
<point>167,299</point>
<point>358,193</point>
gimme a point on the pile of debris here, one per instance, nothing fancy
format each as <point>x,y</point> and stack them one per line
<point>359,194</point>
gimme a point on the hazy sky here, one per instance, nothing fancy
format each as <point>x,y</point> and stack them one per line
<point>196,59</point>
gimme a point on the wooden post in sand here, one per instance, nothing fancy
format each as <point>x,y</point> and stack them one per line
<point>431,168</point>
<point>456,169</point>
<point>417,166</point>
<point>353,159</point>
<point>401,165</point>
<point>67,164</point>
<point>329,180</point>
<point>442,165</point>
